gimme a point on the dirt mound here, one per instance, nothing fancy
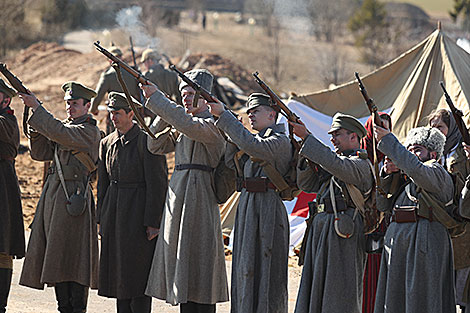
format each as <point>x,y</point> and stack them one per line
<point>220,66</point>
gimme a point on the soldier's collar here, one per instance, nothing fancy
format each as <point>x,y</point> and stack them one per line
<point>277,128</point>
<point>131,134</point>
<point>355,152</point>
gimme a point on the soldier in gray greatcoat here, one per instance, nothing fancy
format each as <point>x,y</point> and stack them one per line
<point>166,80</point>
<point>416,274</point>
<point>189,262</point>
<point>11,216</point>
<point>261,240</point>
<point>335,255</point>
<point>132,185</point>
<point>63,246</point>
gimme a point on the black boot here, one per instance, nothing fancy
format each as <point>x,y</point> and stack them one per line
<point>5,283</point>
<point>193,307</point>
<point>141,304</point>
<point>79,297</point>
<point>62,294</point>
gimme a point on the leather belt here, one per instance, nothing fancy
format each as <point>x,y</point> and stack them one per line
<point>192,166</point>
<point>257,184</point>
<point>327,207</point>
<point>125,184</point>
<point>408,214</point>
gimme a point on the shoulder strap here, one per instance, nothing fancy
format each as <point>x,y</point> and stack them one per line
<point>85,159</point>
<point>438,210</point>
<point>60,173</point>
<point>274,176</point>
<point>356,195</point>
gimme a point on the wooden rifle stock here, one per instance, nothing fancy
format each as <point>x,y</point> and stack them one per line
<point>123,65</point>
<point>16,83</point>
<point>457,116</point>
<point>370,103</point>
<point>283,109</point>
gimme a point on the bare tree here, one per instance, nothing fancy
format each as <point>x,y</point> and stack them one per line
<point>332,65</point>
<point>15,30</point>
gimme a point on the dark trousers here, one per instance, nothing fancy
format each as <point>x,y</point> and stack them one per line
<point>71,297</point>
<point>142,304</point>
<point>193,307</point>
<point>5,283</point>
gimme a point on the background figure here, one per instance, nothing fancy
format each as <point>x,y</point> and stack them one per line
<point>12,243</point>
<point>166,80</point>
<point>371,272</point>
<point>132,185</point>
<point>454,160</point>
<point>63,247</point>
<point>108,82</point>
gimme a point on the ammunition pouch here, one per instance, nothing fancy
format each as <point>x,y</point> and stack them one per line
<point>405,214</point>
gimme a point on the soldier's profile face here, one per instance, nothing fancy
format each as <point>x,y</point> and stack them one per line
<point>261,117</point>
<point>343,140</point>
<point>121,119</point>
<point>76,108</point>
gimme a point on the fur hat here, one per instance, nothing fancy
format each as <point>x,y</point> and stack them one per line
<point>430,138</point>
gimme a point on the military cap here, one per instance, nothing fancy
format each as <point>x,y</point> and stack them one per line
<point>256,99</point>
<point>115,50</point>
<point>202,77</point>
<point>118,101</point>
<point>347,122</point>
<point>429,137</point>
<point>149,54</point>
<point>74,91</point>
<point>7,90</point>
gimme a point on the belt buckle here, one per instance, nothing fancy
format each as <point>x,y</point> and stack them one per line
<point>321,208</point>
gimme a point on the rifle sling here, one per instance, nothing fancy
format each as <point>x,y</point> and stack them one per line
<point>138,117</point>
<point>274,176</point>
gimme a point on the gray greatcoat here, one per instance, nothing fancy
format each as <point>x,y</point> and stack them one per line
<point>166,80</point>
<point>261,239</point>
<point>62,248</point>
<point>333,267</point>
<point>189,260</point>
<point>416,274</point>
<point>11,214</point>
<point>132,185</point>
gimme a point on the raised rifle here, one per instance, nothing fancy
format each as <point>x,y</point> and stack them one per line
<point>282,108</point>
<point>457,116</point>
<point>16,83</point>
<point>369,102</point>
<point>198,88</point>
<point>377,121</point>
<point>123,65</point>
<point>133,52</point>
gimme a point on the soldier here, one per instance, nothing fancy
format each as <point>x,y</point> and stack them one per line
<point>335,255</point>
<point>132,186</point>
<point>108,82</point>
<point>261,240</point>
<point>416,274</point>
<point>166,80</point>
<point>63,247</point>
<point>456,163</point>
<point>12,243</point>
<point>188,267</point>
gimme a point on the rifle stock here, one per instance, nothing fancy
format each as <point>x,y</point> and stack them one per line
<point>141,78</point>
<point>457,116</point>
<point>369,102</point>
<point>16,83</point>
<point>284,110</point>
